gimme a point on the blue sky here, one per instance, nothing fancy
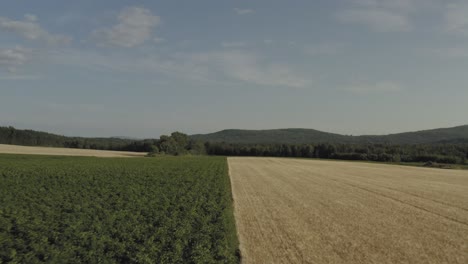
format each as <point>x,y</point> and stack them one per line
<point>146,68</point>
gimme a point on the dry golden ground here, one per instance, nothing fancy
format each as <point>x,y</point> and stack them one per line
<point>13,149</point>
<point>313,211</point>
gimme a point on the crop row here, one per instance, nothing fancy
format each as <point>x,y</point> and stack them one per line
<point>141,210</point>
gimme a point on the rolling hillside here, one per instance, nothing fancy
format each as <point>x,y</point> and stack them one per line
<point>455,135</point>
<point>290,135</point>
<point>27,137</point>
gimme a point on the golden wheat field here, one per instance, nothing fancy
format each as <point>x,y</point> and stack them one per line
<point>13,149</point>
<point>313,211</point>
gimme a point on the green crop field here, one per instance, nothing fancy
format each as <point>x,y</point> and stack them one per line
<point>124,210</point>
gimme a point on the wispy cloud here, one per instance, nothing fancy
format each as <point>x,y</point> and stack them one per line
<point>234,44</point>
<point>401,5</point>
<point>20,77</point>
<point>249,68</point>
<point>207,67</point>
<point>378,87</point>
<point>456,52</point>
<point>377,20</point>
<point>379,15</point>
<point>10,59</point>
<point>323,48</point>
<point>158,40</point>
<point>241,11</point>
<point>456,18</point>
<point>30,29</point>
<point>135,26</point>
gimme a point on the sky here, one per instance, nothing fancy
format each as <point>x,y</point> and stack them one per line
<point>145,68</point>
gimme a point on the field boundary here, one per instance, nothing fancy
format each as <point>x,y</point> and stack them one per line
<point>236,220</point>
<point>32,150</point>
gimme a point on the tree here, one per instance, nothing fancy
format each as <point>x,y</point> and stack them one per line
<point>181,139</point>
<point>167,145</point>
<point>196,147</point>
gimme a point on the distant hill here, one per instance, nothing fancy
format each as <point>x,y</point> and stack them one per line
<point>27,137</point>
<point>455,135</point>
<point>440,135</point>
<point>289,135</point>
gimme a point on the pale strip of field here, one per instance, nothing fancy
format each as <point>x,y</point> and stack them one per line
<point>312,211</point>
<point>13,149</point>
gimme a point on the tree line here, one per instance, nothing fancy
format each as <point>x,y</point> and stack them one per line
<point>440,153</point>
<point>181,144</point>
<point>175,144</point>
<point>13,136</point>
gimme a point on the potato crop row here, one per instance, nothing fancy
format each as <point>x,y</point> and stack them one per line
<point>140,210</point>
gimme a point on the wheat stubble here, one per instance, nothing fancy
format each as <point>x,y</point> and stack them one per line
<point>312,211</point>
<point>14,149</point>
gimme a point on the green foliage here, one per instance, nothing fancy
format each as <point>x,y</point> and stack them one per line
<point>440,153</point>
<point>13,136</point>
<point>452,135</point>
<point>178,144</point>
<point>272,136</point>
<point>180,138</point>
<point>89,210</point>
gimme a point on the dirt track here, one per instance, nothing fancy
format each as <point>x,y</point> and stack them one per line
<point>13,149</point>
<point>310,211</point>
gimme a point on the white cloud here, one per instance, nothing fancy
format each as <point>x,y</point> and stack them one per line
<point>456,18</point>
<point>10,59</point>
<point>378,87</point>
<point>240,11</point>
<point>268,41</point>
<point>30,17</point>
<point>158,40</point>
<point>152,64</point>
<point>30,29</point>
<point>458,52</point>
<point>15,77</point>
<point>247,67</point>
<point>320,49</point>
<point>235,44</point>
<point>377,19</point>
<point>135,26</point>
<point>210,67</point>
<point>379,15</point>
<point>394,4</point>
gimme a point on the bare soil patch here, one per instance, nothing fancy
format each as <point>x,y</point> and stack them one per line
<point>13,149</point>
<point>312,211</point>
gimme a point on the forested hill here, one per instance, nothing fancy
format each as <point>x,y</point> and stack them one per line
<point>307,136</point>
<point>13,136</point>
<point>272,136</point>
<point>440,135</point>
<point>175,144</point>
<point>10,135</point>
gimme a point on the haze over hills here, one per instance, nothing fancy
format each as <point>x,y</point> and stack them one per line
<point>458,134</point>
<point>453,135</point>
